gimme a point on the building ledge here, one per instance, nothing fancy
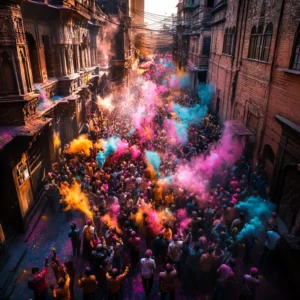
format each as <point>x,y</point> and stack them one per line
<point>258,61</point>
<point>291,71</point>
<point>218,21</point>
<point>288,124</point>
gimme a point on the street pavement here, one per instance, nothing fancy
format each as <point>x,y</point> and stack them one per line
<point>52,231</point>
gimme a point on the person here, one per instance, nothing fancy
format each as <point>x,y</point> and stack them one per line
<point>63,291</point>
<point>272,241</point>
<point>167,233</point>
<point>134,246</point>
<point>88,237</point>
<point>38,282</point>
<point>148,266</point>
<point>167,282</point>
<point>74,235</point>
<point>69,266</point>
<point>114,282</point>
<point>272,222</point>
<point>225,275</point>
<point>251,282</point>
<point>159,248</point>
<point>88,284</point>
<point>174,251</point>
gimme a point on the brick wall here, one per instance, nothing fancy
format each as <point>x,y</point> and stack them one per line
<point>261,90</point>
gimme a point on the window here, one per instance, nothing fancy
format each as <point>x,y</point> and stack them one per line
<point>206,46</point>
<point>295,61</point>
<point>260,42</point>
<point>228,45</point>
<point>210,3</point>
<point>260,39</point>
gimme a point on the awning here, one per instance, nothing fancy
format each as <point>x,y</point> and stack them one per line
<point>239,128</point>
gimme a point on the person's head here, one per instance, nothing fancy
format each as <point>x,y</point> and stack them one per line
<point>232,263</point>
<point>73,226</point>
<point>88,271</point>
<point>69,264</point>
<point>197,246</point>
<point>35,270</point>
<point>166,226</point>
<point>160,235</point>
<point>222,235</point>
<point>169,268</point>
<point>61,282</point>
<point>115,272</point>
<point>201,232</point>
<point>148,253</point>
<point>274,215</point>
<point>254,271</point>
<point>89,222</point>
<point>210,250</point>
<point>133,234</point>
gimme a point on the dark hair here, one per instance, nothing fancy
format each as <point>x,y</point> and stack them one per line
<point>69,264</point>
<point>61,282</point>
<point>210,250</point>
<point>88,271</point>
<point>35,270</point>
<point>73,226</point>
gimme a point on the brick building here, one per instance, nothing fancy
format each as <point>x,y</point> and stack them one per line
<point>194,35</point>
<point>50,69</point>
<point>254,65</point>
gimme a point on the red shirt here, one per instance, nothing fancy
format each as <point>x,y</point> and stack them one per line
<point>38,283</point>
<point>134,244</point>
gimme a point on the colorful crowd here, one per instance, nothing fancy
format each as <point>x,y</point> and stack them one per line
<point>151,209</point>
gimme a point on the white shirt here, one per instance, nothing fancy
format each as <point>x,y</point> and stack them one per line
<point>272,239</point>
<point>175,250</point>
<point>148,266</point>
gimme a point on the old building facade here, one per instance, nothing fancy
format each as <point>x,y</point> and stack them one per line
<point>254,65</point>
<point>51,63</point>
<point>194,36</point>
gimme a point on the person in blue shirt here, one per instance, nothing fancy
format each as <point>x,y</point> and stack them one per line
<point>74,235</point>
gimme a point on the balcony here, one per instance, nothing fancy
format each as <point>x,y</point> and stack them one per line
<point>190,4</point>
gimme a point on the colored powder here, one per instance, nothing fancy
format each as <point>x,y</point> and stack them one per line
<point>110,147</point>
<point>182,132</point>
<point>259,211</point>
<point>135,152</point>
<point>155,161</point>
<point>184,81</point>
<point>81,144</point>
<point>75,199</point>
<point>206,93</point>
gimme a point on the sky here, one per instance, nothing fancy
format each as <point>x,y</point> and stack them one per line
<point>161,7</point>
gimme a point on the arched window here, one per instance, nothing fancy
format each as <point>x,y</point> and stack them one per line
<point>295,59</point>
<point>260,42</point>
<point>34,60</point>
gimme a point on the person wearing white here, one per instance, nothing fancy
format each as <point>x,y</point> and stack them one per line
<point>272,241</point>
<point>148,266</point>
<point>175,250</point>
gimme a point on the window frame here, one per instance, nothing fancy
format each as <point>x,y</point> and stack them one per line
<point>296,51</point>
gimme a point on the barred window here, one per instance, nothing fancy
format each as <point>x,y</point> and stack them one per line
<point>295,59</point>
<point>260,42</point>
<point>228,45</point>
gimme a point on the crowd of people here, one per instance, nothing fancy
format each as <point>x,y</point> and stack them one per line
<point>120,241</point>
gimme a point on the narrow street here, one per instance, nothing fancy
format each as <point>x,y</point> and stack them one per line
<point>160,139</point>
